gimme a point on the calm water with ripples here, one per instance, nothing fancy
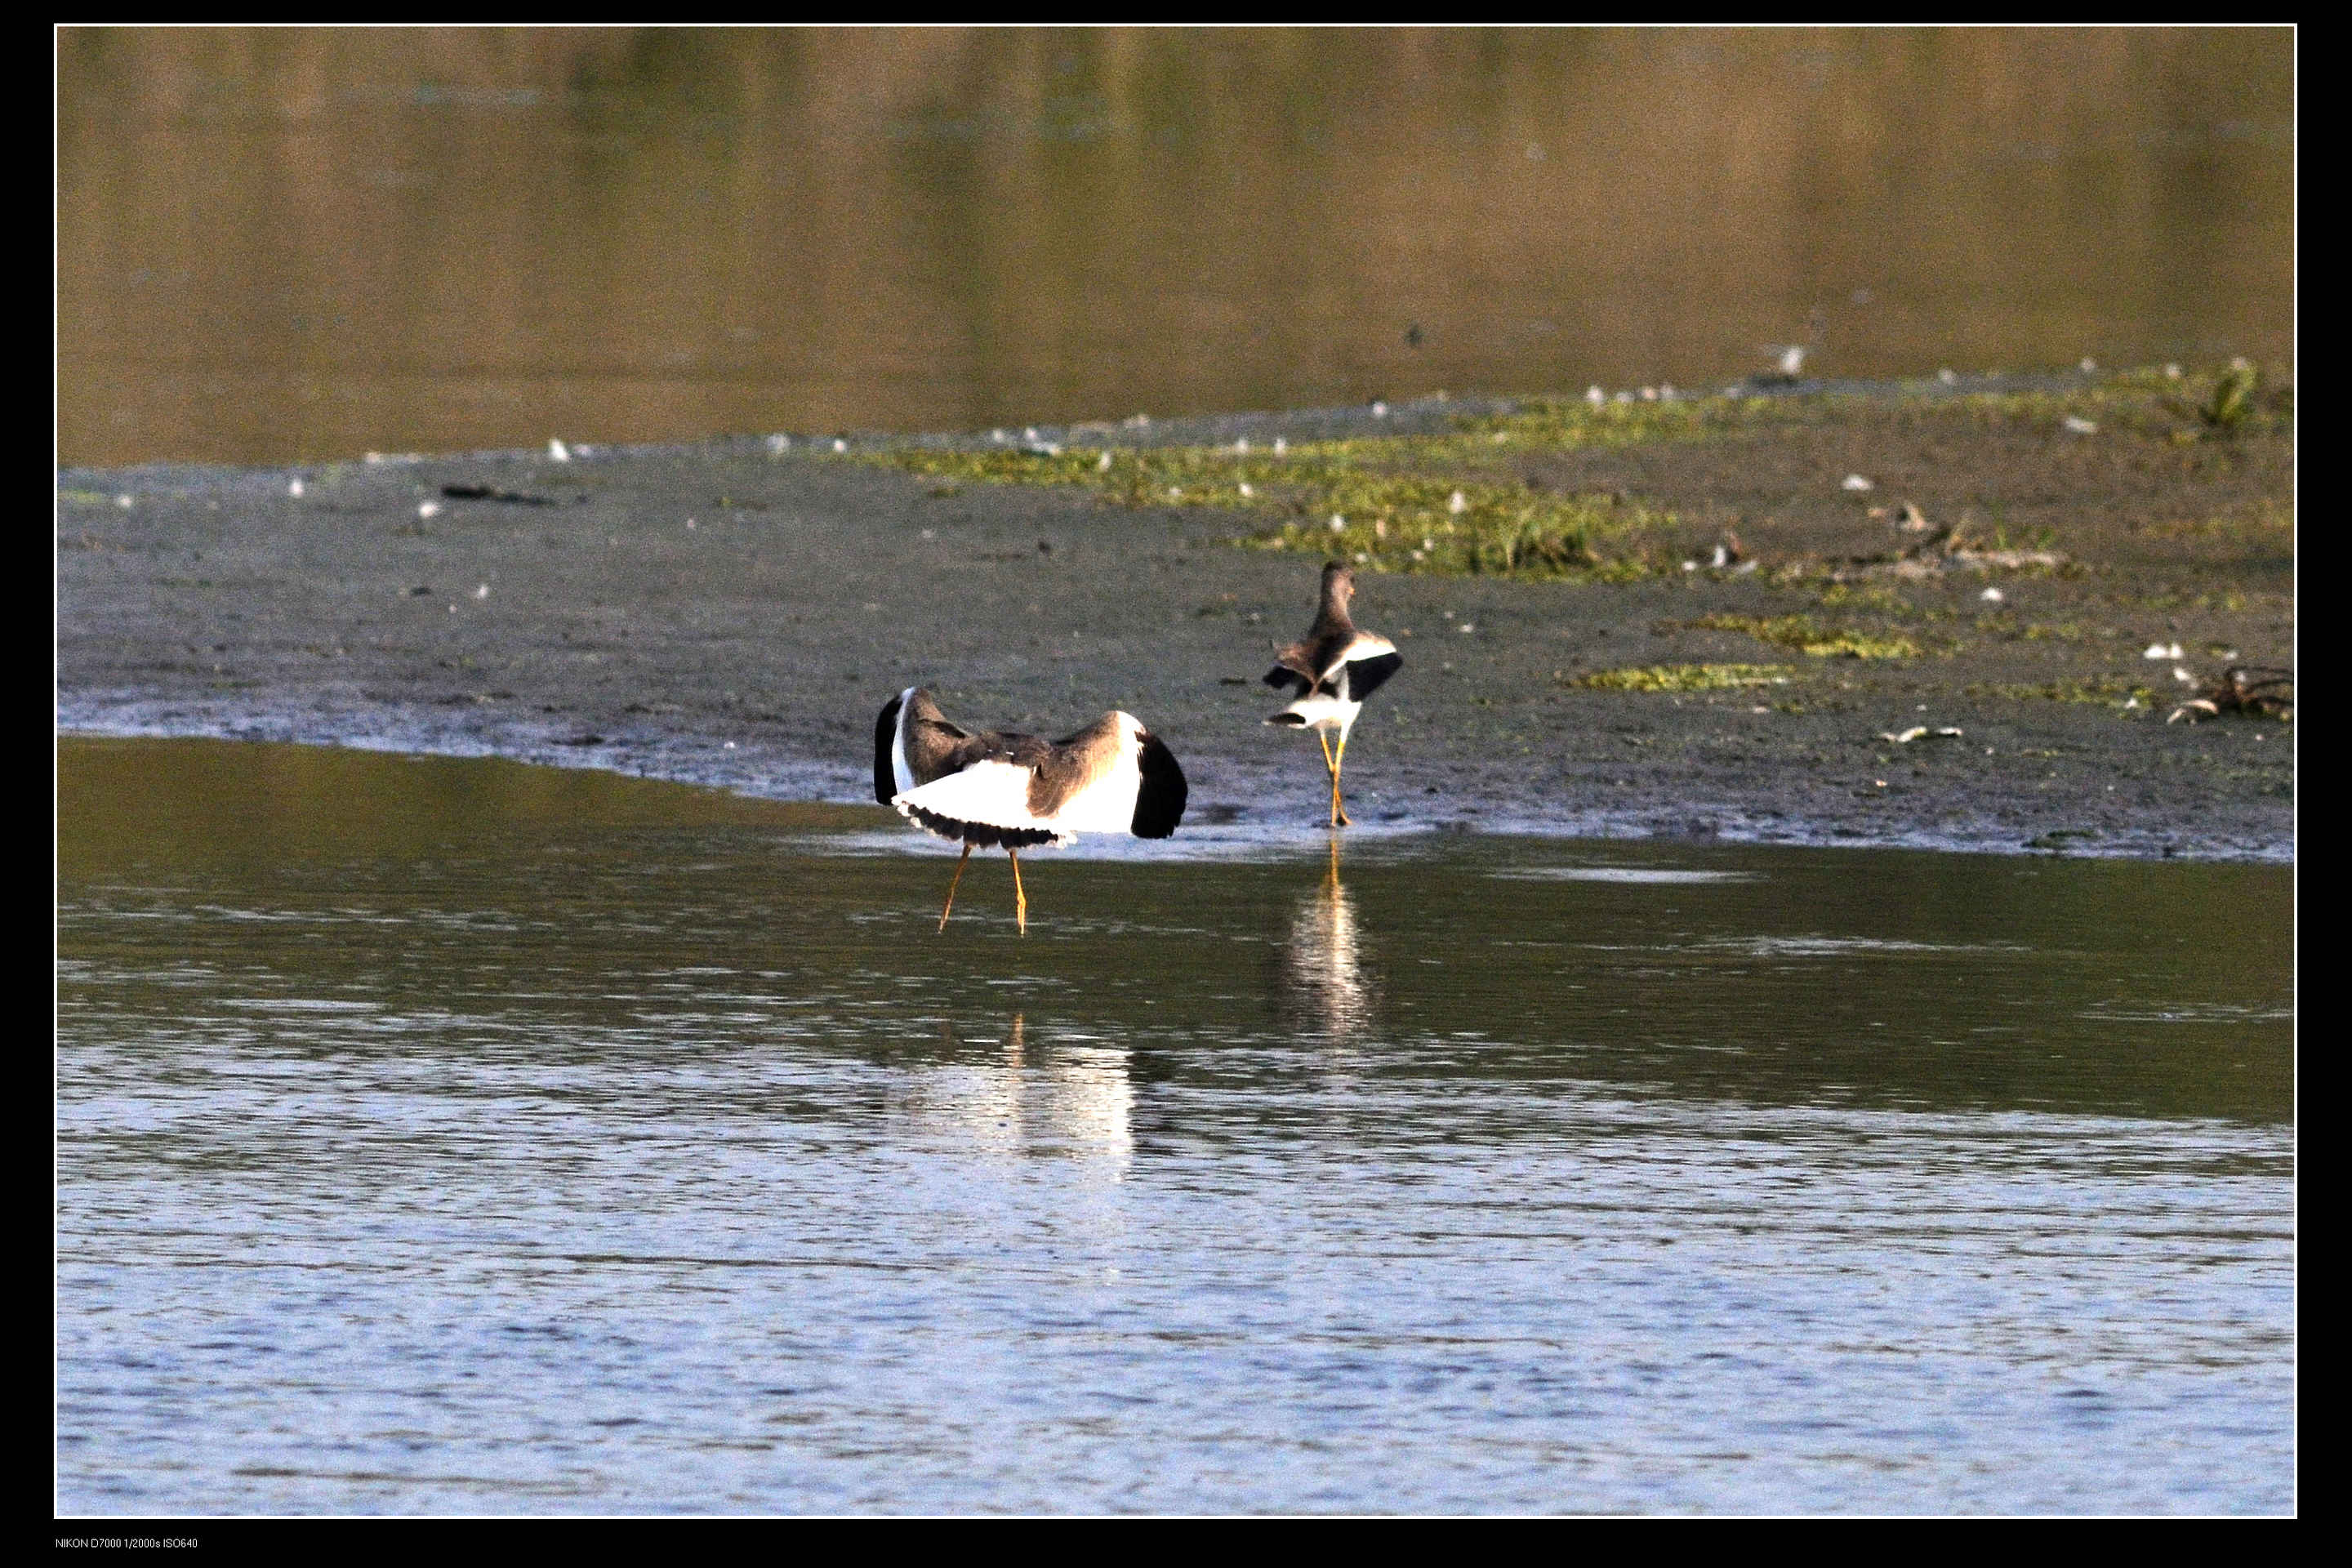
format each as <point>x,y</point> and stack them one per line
<point>287,244</point>
<point>452,1136</point>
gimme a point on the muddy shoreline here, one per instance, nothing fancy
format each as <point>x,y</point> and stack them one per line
<point>734,612</point>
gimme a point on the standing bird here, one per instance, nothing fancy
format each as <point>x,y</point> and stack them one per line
<point>998,787</point>
<point>1329,672</point>
<point>1789,359</point>
<point>1787,363</point>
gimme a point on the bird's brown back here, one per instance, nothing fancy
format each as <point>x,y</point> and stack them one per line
<point>937,747</point>
<point>1333,630</point>
<point>1071,764</point>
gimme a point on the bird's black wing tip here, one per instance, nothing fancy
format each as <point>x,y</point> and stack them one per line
<point>980,835</point>
<point>885,737</point>
<point>1365,676</point>
<point>1282,678</point>
<point>1159,802</point>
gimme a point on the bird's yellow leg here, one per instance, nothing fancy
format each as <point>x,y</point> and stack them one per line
<point>1020,899</point>
<point>1332,767</point>
<point>1338,812</point>
<point>952,887</point>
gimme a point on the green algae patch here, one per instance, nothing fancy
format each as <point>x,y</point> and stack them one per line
<point>2169,404</point>
<point>1446,504</point>
<point>1471,527</point>
<point>1683,678</point>
<point>1565,424</point>
<point>1462,502</point>
<point>1810,636</point>
<point>2008,628</point>
<point>2264,519</point>
<point>1847,596</point>
<point>2105,690</point>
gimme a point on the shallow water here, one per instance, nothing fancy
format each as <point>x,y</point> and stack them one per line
<point>286,244</point>
<point>441,1135</point>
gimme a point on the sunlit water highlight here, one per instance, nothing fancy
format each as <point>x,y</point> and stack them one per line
<point>454,1136</point>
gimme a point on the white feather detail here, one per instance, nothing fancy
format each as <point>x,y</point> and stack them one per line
<point>1367,645</point>
<point>994,794</point>
<point>1321,711</point>
<point>1107,805</point>
<point>901,774</point>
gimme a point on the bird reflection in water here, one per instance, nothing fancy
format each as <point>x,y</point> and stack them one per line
<point>1073,1098</point>
<point>1325,983</point>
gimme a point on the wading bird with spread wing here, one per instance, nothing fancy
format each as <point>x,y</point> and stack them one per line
<point>1329,672</point>
<point>992,787</point>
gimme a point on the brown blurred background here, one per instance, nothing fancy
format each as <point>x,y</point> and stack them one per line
<point>282,244</point>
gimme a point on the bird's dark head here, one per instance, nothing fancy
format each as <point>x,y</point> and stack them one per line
<point>1339,584</point>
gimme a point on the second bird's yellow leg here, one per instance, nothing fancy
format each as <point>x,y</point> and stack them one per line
<point>952,887</point>
<point>1331,766</point>
<point>1020,899</point>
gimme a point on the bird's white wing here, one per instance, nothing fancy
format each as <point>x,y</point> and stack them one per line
<point>1105,804</point>
<point>988,793</point>
<point>1367,645</point>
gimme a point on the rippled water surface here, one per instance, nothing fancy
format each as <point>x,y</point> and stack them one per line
<point>455,1136</point>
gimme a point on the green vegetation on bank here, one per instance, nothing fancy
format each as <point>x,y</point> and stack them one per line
<point>1809,635</point>
<point>2108,690</point>
<point>1455,503</point>
<point>2172,404</point>
<point>1446,504</point>
<point>1683,678</point>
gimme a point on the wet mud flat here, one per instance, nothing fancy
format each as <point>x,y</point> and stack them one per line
<point>1654,617</point>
